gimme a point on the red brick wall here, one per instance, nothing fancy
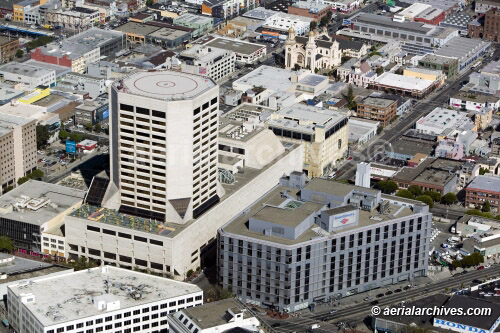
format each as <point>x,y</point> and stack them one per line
<point>39,56</point>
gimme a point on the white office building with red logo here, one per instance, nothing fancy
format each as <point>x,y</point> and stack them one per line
<point>305,243</point>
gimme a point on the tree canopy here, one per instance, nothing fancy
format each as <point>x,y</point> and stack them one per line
<point>426,199</point>
<point>6,244</point>
<point>42,135</point>
<point>387,186</point>
<point>449,198</point>
<point>405,194</point>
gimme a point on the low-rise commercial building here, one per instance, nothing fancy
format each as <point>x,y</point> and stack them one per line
<point>440,121</point>
<point>245,52</point>
<point>75,18</point>
<point>29,76</point>
<point>361,130</point>
<point>94,86</point>
<point>168,37</point>
<point>221,316</point>
<point>201,24</point>
<point>431,16</point>
<point>482,189</point>
<point>449,66</point>
<point>378,109</point>
<point>474,102</point>
<point>403,85</point>
<point>137,32</point>
<point>304,243</point>
<point>92,112</point>
<point>282,22</point>
<point>208,61</point>
<point>410,144</point>
<point>102,299</point>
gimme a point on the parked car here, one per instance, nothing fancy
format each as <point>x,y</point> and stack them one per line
<point>480,268</point>
<point>388,293</point>
<point>333,311</point>
<point>380,295</point>
<point>375,302</point>
<point>275,325</point>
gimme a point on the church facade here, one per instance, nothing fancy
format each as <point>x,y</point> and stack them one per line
<point>319,50</point>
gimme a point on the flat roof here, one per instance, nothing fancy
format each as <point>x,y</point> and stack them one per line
<point>239,225</point>
<point>287,217</point>
<point>60,70</point>
<point>212,314</point>
<point>467,302</point>
<point>385,21</point>
<point>166,85</point>
<point>378,102</point>
<point>25,69</point>
<point>461,48</point>
<point>94,37</point>
<point>137,28</point>
<point>237,46</point>
<point>485,183</point>
<point>440,119</point>
<point>414,10</point>
<point>169,33</point>
<point>193,18</point>
<point>260,13</point>
<point>17,265</point>
<point>403,82</point>
<point>67,297</point>
<point>437,59</point>
<point>61,198</point>
<point>8,121</point>
<point>8,92</point>
<point>267,77</point>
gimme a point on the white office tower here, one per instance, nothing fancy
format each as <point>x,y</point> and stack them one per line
<point>163,145</point>
<point>363,175</point>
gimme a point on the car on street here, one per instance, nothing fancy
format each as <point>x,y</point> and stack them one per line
<point>380,295</point>
<point>388,293</point>
<point>333,311</point>
<point>407,287</point>
<point>375,302</point>
<point>397,290</point>
<point>275,325</point>
<point>480,268</point>
<point>368,298</point>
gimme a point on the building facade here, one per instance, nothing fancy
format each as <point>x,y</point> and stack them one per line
<point>491,30</point>
<point>311,52</point>
<point>449,66</point>
<point>8,48</point>
<point>18,153</point>
<point>482,189</point>
<point>144,138</point>
<point>208,61</point>
<point>321,242</point>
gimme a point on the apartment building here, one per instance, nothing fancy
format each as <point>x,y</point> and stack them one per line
<point>18,153</point>
<point>102,299</point>
<point>324,134</point>
<point>208,61</point>
<point>379,109</point>
<point>321,241</point>
<point>449,66</point>
<point>491,30</point>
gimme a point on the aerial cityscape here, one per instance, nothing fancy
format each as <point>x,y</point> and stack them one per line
<point>238,166</point>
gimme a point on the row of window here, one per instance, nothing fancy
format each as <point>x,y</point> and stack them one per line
<point>124,235</point>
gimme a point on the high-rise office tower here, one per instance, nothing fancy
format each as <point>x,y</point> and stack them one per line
<point>163,145</point>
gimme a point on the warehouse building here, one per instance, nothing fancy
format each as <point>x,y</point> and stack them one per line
<point>305,243</point>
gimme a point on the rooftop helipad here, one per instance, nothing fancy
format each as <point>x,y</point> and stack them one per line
<point>166,85</point>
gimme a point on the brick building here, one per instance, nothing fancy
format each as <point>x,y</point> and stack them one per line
<point>482,189</point>
<point>8,48</point>
<point>379,109</point>
<point>492,25</point>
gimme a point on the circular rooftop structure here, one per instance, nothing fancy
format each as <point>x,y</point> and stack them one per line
<point>166,85</point>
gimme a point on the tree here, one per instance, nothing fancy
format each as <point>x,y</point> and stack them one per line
<point>35,174</point>
<point>486,206</point>
<point>482,171</point>
<point>380,70</point>
<point>8,188</point>
<point>63,134</point>
<point>456,263</point>
<point>82,263</point>
<point>296,67</point>
<point>149,3</point>
<point>97,128</point>
<point>189,273</point>
<point>426,200</point>
<point>449,198</point>
<point>436,196</point>
<point>40,41</point>
<point>22,180</point>
<point>313,25</point>
<point>75,137</point>
<point>387,186</point>
<point>380,129</point>
<point>42,136</point>
<point>324,21</point>
<point>19,53</point>
<point>88,126</point>
<point>415,190</point>
<point>351,103</point>
<point>6,244</point>
<point>405,194</point>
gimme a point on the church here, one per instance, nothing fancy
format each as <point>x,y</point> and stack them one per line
<point>319,50</point>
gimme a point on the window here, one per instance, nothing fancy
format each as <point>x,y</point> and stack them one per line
<point>142,111</point>
<point>140,239</point>
<point>123,235</point>
<point>156,242</point>
<point>126,107</point>
<point>91,228</point>
<point>158,114</point>
<point>340,143</point>
<point>108,232</point>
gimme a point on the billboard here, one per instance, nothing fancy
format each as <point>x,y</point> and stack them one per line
<point>271,34</point>
<point>105,114</point>
<point>70,147</point>
<point>346,22</point>
<point>345,218</point>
